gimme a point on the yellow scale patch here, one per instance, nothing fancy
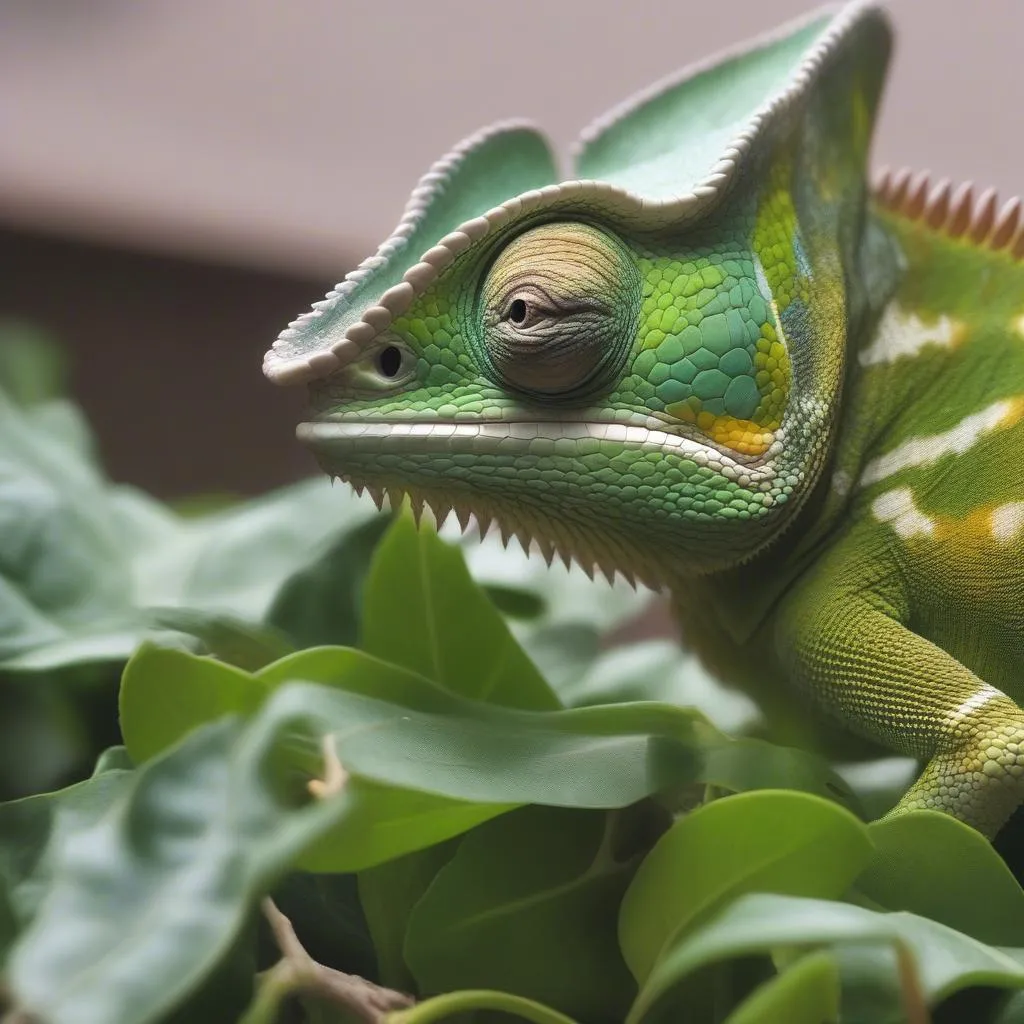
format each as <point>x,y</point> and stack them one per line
<point>743,436</point>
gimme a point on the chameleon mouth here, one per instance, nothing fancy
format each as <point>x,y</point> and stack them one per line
<point>564,438</point>
<point>362,452</point>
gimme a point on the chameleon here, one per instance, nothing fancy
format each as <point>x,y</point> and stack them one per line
<point>723,361</point>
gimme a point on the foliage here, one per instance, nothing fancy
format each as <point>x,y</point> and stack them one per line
<point>448,785</point>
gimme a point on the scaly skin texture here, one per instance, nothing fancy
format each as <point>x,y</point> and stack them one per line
<point>800,412</point>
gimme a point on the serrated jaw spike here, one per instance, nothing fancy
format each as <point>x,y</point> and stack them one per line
<point>441,513</point>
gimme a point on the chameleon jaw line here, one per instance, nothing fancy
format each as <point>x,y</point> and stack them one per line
<point>512,437</point>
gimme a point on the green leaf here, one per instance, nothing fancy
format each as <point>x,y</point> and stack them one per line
<point>783,842</point>
<point>936,866</point>
<point>62,563</point>
<point>805,993</point>
<point>659,670</point>
<point>31,826</point>
<point>528,905</point>
<point>420,743</point>
<point>242,644</point>
<point>514,602</point>
<point>113,759</point>
<point>378,823</point>
<point>321,603</point>
<point>388,892</point>
<point>160,885</point>
<point>415,735</point>
<point>165,693</point>
<point>423,610</point>
<point>946,960</point>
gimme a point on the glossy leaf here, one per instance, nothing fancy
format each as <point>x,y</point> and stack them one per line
<point>405,733</point>
<point>805,993</point>
<point>321,603</point>
<point>935,866</point>
<point>33,825</point>
<point>165,693</point>
<point>423,611</point>
<point>660,670</point>
<point>783,842</point>
<point>245,645</point>
<point>159,886</point>
<point>946,960</point>
<point>388,893</point>
<point>528,905</point>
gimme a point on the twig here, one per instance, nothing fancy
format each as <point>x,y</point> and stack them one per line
<point>297,971</point>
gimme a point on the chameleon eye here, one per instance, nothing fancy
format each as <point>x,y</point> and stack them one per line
<point>560,310</point>
<point>517,312</point>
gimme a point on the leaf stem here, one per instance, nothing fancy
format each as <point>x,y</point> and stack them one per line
<point>478,999</point>
<point>297,971</point>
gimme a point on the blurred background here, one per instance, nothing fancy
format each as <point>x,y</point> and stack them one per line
<point>179,179</point>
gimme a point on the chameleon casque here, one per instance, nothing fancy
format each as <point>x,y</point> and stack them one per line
<point>718,362</point>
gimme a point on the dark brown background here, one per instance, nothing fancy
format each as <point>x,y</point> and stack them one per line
<point>179,178</point>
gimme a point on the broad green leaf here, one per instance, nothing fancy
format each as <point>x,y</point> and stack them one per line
<point>159,886</point>
<point>562,652</point>
<point>805,993</point>
<point>946,960</point>
<point>528,905</point>
<point>377,823</point>
<point>439,743</point>
<point>400,730</point>
<point>935,866</point>
<point>514,602</point>
<point>165,693</point>
<point>746,764</point>
<point>321,603</point>
<point>388,892</point>
<point>423,610</point>
<point>235,561</point>
<point>243,644</point>
<point>30,826</point>
<point>659,670</point>
<point>768,841</point>
<point>62,566</point>
<point>113,759</point>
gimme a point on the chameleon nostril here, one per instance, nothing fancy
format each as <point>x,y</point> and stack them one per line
<point>389,361</point>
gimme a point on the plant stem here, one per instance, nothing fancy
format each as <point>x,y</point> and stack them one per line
<point>455,1002</point>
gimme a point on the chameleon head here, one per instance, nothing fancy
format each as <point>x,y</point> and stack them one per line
<point>635,368</point>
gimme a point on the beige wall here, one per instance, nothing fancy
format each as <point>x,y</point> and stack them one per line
<point>289,132</point>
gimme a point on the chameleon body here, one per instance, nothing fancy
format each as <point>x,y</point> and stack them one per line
<point>716,362</point>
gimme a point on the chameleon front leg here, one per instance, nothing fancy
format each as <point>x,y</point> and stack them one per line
<point>850,650</point>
